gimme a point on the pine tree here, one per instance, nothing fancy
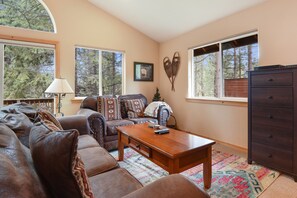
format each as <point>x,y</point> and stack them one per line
<point>157,96</point>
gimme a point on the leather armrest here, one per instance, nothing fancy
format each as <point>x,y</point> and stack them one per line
<point>172,186</point>
<point>78,122</point>
<point>96,122</point>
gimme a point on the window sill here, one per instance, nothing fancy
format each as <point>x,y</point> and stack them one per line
<point>241,102</point>
<point>77,99</point>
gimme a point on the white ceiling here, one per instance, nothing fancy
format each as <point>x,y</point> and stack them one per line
<point>163,20</point>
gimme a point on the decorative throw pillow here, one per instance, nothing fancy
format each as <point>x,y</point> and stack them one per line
<point>109,108</point>
<point>57,162</point>
<point>49,118</point>
<point>135,108</point>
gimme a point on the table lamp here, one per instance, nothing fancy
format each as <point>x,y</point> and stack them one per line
<point>59,87</point>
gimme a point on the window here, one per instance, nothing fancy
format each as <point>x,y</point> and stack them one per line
<point>28,69</point>
<point>220,69</point>
<point>98,72</point>
<point>29,14</point>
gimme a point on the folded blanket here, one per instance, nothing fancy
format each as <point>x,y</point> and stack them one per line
<point>152,108</point>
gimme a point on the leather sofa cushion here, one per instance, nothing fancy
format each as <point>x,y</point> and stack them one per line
<point>56,160</point>
<point>112,124</point>
<point>166,187</point>
<point>97,160</point>
<point>115,183</point>
<point>86,141</point>
<point>19,123</point>
<point>17,174</point>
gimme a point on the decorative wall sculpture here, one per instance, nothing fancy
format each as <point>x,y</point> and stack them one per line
<point>171,68</point>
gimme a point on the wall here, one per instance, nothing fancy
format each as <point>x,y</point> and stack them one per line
<point>275,21</point>
<point>80,23</point>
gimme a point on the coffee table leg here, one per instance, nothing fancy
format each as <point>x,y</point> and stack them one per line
<point>207,173</point>
<point>120,148</point>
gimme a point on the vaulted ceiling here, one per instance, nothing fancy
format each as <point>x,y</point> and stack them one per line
<point>163,20</point>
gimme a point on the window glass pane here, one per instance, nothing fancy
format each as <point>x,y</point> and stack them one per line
<point>236,62</point>
<point>205,75</point>
<point>111,73</point>
<point>28,71</point>
<point>29,14</point>
<point>86,72</point>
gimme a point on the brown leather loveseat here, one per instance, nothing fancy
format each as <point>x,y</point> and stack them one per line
<point>68,162</point>
<point>105,130</point>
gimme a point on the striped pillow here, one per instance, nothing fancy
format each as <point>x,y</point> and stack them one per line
<point>135,108</point>
<point>110,108</point>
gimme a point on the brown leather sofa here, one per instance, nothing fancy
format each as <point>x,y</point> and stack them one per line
<point>105,131</point>
<point>22,176</point>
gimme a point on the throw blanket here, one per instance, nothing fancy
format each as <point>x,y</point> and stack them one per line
<point>152,108</point>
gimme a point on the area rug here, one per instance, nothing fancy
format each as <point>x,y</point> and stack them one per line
<point>232,176</point>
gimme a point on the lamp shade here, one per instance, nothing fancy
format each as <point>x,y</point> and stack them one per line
<point>59,85</point>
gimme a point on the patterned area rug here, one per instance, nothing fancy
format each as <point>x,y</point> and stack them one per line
<point>232,175</point>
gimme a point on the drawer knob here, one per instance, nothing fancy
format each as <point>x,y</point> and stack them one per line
<point>138,146</point>
<point>270,80</point>
<point>270,116</point>
<point>270,136</point>
<point>270,97</point>
<point>270,156</point>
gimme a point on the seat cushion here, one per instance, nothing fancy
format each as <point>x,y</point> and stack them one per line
<point>97,160</point>
<point>86,141</point>
<point>111,126</point>
<point>116,183</point>
<point>143,120</point>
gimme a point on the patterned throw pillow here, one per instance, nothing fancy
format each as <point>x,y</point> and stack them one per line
<point>56,160</point>
<point>49,119</point>
<point>109,108</point>
<point>135,108</point>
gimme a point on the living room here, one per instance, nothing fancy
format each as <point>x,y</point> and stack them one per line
<point>81,23</point>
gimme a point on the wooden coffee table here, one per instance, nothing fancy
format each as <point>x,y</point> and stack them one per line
<point>175,152</point>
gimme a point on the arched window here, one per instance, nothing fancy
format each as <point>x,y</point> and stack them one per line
<point>29,14</point>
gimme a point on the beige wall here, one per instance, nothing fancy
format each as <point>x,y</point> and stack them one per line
<point>80,23</point>
<point>276,23</point>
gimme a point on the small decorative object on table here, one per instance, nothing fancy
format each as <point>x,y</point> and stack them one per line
<point>157,96</point>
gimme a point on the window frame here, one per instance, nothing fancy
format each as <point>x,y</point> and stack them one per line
<point>220,99</point>
<point>27,42</point>
<point>100,50</point>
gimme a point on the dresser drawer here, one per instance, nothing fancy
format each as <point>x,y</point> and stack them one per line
<point>272,157</point>
<point>277,79</point>
<point>278,117</point>
<point>141,148</point>
<point>273,136</point>
<point>282,97</point>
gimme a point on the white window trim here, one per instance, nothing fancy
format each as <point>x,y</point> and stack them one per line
<point>80,98</point>
<point>190,96</point>
<point>4,42</point>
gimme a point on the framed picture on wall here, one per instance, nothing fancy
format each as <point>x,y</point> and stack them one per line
<point>143,71</point>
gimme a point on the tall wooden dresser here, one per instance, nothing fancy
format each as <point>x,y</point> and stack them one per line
<point>272,109</point>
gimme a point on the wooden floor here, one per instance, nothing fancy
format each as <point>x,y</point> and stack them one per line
<point>283,187</point>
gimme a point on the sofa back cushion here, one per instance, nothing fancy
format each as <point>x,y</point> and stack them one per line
<point>89,102</point>
<point>123,98</point>
<point>19,123</point>
<point>18,177</point>
<point>56,160</point>
<point>109,107</point>
<point>135,108</point>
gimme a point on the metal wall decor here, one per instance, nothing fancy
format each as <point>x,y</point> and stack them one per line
<point>171,68</point>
